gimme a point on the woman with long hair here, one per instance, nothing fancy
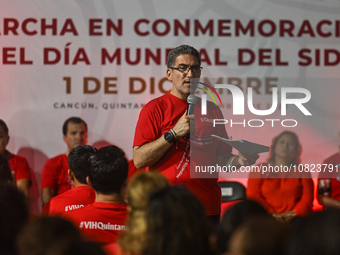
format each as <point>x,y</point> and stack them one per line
<point>285,191</point>
<point>140,187</point>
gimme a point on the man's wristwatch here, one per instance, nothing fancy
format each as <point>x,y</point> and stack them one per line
<point>169,137</point>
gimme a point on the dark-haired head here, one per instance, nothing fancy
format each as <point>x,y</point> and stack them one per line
<point>233,218</point>
<point>316,234</point>
<point>45,234</point>
<point>13,216</point>
<point>176,223</point>
<point>109,170</point>
<point>182,50</point>
<point>74,120</point>
<point>295,157</point>
<point>4,137</point>
<point>4,126</point>
<point>260,235</point>
<point>79,161</point>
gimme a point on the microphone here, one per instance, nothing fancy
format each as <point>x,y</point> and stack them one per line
<point>192,100</point>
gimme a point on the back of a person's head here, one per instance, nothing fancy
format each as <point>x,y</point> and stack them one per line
<point>259,236</point>
<point>176,223</point>
<point>43,234</point>
<point>5,171</point>
<point>140,187</point>
<point>317,234</point>
<point>13,216</point>
<point>233,218</point>
<point>79,161</point>
<point>109,170</point>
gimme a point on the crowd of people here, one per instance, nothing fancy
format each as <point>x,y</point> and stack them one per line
<point>150,216</point>
<point>95,201</point>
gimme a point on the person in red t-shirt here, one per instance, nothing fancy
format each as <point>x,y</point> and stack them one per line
<point>55,180</point>
<point>159,142</point>
<point>105,219</point>
<point>81,194</point>
<point>285,195</point>
<point>329,182</point>
<point>18,165</point>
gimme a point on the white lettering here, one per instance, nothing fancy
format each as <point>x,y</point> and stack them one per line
<point>261,123</point>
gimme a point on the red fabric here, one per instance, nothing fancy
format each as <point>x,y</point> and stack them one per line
<point>19,167</point>
<point>54,175</point>
<point>282,194</point>
<point>333,176</point>
<point>72,199</point>
<point>112,249</point>
<point>160,115</point>
<point>94,219</point>
<point>133,169</point>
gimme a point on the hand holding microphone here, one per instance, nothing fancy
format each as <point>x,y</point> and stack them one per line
<point>192,100</point>
<point>182,127</point>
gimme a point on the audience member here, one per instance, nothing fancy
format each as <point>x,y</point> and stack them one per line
<point>105,219</point>
<point>328,191</point>
<point>259,236</point>
<point>45,234</point>
<point>284,194</point>
<point>81,194</point>
<point>79,248</point>
<point>55,180</point>
<point>234,217</point>
<point>18,165</point>
<point>140,187</point>
<point>317,234</point>
<point>176,224</point>
<point>13,216</point>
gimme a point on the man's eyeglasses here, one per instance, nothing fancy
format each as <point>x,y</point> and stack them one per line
<point>185,69</point>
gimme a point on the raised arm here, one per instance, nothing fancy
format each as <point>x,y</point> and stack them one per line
<point>149,153</point>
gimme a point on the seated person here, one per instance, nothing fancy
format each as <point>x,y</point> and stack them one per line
<point>53,235</point>
<point>81,194</point>
<point>54,179</point>
<point>318,234</point>
<point>43,234</point>
<point>329,182</point>
<point>259,235</point>
<point>140,187</point>
<point>105,219</point>
<point>233,218</point>
<point>176,223</point>
<point>13,216</point>
<point>18,165</point>
<point>284,195</point>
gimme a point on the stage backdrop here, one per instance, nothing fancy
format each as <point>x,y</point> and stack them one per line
<point>103,60</point>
